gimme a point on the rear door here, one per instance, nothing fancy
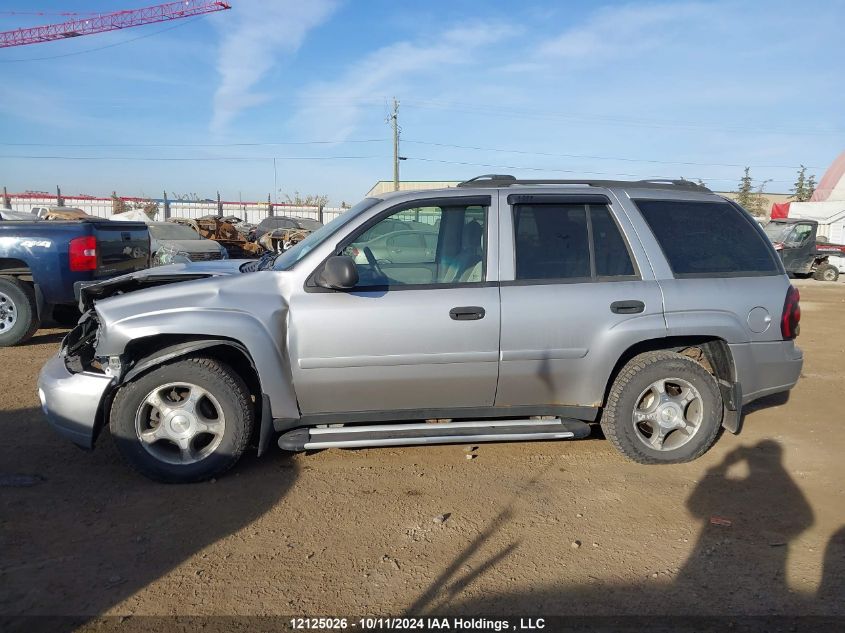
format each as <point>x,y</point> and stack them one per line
<point>573,297</point>
<point>122,247</point>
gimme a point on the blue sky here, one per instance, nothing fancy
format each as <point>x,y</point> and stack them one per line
<point>537,89</point>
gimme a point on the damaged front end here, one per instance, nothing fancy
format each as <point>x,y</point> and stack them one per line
<point>74,385</point>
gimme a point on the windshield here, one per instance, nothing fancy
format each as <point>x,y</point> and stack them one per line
<point>173,232</point>
<point>776,231</point>
<point>290,257</point>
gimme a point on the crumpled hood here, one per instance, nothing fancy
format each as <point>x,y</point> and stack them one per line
<point>158,276</point>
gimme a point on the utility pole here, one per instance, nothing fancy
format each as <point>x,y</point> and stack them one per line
<point>394,121</point>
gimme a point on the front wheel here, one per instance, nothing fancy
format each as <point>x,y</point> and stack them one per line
<point>183,422</point>
<point>826,272</point>
<point>663,408</point>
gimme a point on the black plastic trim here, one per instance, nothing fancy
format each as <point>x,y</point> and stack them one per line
<point>557,198</point>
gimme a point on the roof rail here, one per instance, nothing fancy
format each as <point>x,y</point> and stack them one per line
<point>505,180</point>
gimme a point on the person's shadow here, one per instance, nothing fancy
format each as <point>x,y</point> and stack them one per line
<point>745,562</point>
<point>751,511</point>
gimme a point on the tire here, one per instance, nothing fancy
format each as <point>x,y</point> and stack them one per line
<point>18,312</point>
<point>218,390</point>
<point>633,390</point>
<point>826,272</point>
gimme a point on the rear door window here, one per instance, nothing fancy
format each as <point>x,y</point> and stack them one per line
<point>708,239</point>
<point>569,242</point>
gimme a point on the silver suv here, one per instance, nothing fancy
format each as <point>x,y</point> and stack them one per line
<point>538,308</point>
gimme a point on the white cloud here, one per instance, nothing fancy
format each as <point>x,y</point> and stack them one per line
<point>619,31</point>
<point>255,34</point>
<point>334,108</point>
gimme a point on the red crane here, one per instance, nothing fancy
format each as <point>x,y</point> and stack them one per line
<point>110,22</point>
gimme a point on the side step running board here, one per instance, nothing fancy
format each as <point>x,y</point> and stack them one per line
<point>359,436</point>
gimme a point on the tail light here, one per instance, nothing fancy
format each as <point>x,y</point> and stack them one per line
<point>83,253</point>
<point>789,320</point>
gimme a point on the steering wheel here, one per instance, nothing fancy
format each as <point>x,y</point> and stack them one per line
<point>373,262</point>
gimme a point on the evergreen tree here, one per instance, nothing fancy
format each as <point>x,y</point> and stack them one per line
<point>804,186</point>
<point>799,189</point>
<point>745,192</point>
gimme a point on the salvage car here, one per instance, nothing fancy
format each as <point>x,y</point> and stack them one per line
<point>656,309</point>
<point>400,247</point>
<point>227,235</point>
<point>172,243</point>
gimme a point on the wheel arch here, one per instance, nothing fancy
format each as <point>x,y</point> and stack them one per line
<point>147,353</point>
<point>711,352</point>
<point>14,267</point>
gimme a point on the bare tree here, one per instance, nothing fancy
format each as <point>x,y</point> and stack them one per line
<point>307,200</point>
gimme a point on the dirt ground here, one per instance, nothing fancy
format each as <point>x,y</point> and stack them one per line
<point>536,528</point>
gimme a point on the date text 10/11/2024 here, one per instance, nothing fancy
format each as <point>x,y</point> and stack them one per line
<point>417,624</point>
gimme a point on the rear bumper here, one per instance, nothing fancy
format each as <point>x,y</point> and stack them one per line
<point>766,368</point>
<point>71,401</point>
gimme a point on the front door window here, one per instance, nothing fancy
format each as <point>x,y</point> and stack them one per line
<point>420,246</point>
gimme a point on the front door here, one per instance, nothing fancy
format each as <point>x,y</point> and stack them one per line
<point>421,330</point>
<point>798,248</point>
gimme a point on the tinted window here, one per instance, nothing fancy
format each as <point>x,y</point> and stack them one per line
<point>612,258</point>
<point>708,238</point>
<point>551,241</point>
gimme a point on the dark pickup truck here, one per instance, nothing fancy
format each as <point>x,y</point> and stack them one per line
<point>803,251</point>
<point>43,264</point>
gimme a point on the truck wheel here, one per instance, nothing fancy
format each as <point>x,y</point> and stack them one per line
<point>18,313</point>
<point>826,272</point>
<point>663,408</point>
<point>183,422</point>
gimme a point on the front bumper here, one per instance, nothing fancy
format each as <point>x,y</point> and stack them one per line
<point>71,402</point>
<point>766,368</point>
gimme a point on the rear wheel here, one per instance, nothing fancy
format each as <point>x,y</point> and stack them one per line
<point>663,408</point>
<point>183,422</point>
<point>826,272</point>
<point>18,312</point>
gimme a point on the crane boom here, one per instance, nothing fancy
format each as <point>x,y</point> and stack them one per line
<point>110,22</point>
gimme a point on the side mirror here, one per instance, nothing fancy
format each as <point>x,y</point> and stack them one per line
<point>339,273</point>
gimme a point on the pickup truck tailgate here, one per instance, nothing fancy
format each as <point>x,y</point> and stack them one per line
<point>122,247</point>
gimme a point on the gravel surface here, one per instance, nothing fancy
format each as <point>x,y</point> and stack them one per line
<point>756,526</point>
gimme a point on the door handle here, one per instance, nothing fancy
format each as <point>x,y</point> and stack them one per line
<point>467,313</point>
<point>627,307</point>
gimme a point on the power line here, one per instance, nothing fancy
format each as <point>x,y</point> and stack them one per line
<point>188,145</point>
<point>191,158</point>
<point>614,158</point>
<point>416,142</point>
<point>612,120</point>
<point>567,171</point>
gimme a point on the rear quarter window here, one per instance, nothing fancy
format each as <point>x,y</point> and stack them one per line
<point>708,239</point>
